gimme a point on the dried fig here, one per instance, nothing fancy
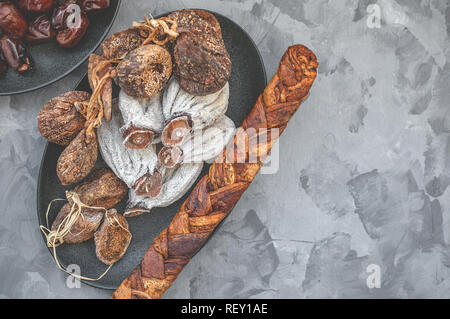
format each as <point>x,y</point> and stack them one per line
<point>59,121</point>
<point>83,228</point>
<point>202,64</point>
<point>113,238</point>
<point>78,158</point>
<point>191,20</point>
<point>102,188</point>
<point>144,71</point>
<point>122,42</point>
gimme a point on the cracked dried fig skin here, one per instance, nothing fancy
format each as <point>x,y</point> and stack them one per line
<point>144,71</point>
<point>84,227</point>
<point>59,121</point>
<point>113,238</point>
<point>77,159</point>
<point>122,42</point>
<point>202,64</point>
<point>102,188</point>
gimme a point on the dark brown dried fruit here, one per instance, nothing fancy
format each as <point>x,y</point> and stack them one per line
<point>113,238</point>
<point>15,53</point>
<point>60,15</point>
<point>122,42</point>
<point>102,67</point>
<point>137,138</point>
<point>74,27</point>
<point>12,21</point>
<point>149,185</point>
<point>3,64</point>
<point>102,188</point>
<point>35,5</point>
<point>202,64</point>
<point>94,5</point>
<point>170,156</point>
<point>144,71</point>
<point>78,158</point>
<point>65,2</point>
<point>40,30</point>
<point>59,121</point>
<point>189,20</point>
<point>175,131</point>
<point>84,227</point>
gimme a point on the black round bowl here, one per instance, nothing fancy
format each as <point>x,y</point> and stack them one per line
<point>52,62</point>
<point>248,80</point>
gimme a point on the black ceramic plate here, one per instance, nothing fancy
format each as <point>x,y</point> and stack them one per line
<point>52,62</point>
<point>248,80</point>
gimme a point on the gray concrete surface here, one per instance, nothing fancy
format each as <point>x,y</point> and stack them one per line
<point>361,197</point>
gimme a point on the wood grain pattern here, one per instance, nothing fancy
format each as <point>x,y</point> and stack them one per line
<point>215,194</point>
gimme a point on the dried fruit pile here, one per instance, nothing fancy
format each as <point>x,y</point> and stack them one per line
<point>154,137</point>
<point>39,21</point>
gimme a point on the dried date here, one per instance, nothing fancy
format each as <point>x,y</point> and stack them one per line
<point>15,53</point>
<point>94,5</point>
<point>35,5</point>
<point>78,158</point>
<point>72,23</point>
<point>59,121</point>
<point>12,21</point>
<point>40,30</point>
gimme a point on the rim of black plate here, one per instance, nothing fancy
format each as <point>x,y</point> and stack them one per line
<point>41,168</point>
<point>40,86</point>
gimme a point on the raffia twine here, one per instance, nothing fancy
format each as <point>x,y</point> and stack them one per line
<point>55,238</point>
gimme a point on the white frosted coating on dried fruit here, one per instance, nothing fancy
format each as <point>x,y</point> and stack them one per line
<point>202,110</point>
<point>176,184</point>
<point>206,144</point>
<point>128,164</point>
<point>141,113</point>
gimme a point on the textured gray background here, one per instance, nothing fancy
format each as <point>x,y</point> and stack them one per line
<point>364,164</point>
